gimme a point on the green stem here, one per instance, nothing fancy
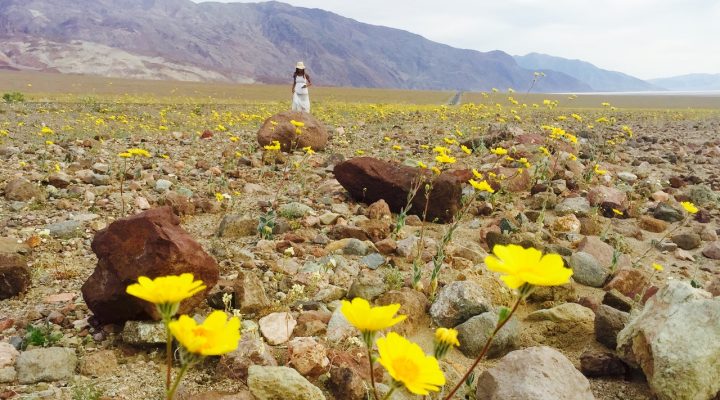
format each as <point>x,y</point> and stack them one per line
<point>372,375</point>
<point>390,392</point>
<point>485,348</point>
<point>171,392</point>
<point>168,353</point>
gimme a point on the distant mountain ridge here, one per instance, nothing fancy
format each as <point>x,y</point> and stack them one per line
<point>242,42</point>
<point>598,79</point>
<point>690,82</point>
<point>260,42</point>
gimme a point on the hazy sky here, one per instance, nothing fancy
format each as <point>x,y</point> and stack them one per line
<point>644,38</point>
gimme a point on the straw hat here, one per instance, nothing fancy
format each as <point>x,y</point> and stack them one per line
<point>300,65</point>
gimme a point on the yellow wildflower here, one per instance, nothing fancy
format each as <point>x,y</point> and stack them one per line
<point>124,154</point>
<point>217,335</point>
<point>481,186</point>
<point>219,197</point>
<point>166,289</point>
<point>297,124</point>
<point>450,140</point>
<point>598,170</point>
<point>46,130</point>
<point>446,159</point>
<point>359,152</point>
<point>396,147</point>
<point>138,152</point>
<point>445,335</point>
<point>499,151</point>
<point>441,150</point>
<point>689,207</point>
<point>274,146</point>
<point>465,149</point>
<point>544,150</point>
<point>436,170</point>
<point>421,165</point>
<point>477,173</point>
<point>617,212</point>
<point>522,266</point>
<point>406,363</point>
<point>366,318</point>
<point>657,267</point>
<point>49,142</point>
<point>308,150</point>
<point>576,117</point>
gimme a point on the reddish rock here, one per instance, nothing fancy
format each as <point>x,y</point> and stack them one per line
<point>251,351</point>
<point>369,180</point>
<point>602,251</point>
<point>651,224</point>
<point>14,272</point>
<point>386,246</point>
<point>376,230</point>
<point>712,251</point>
<point>149,244</point>
<point>278,127</point>
<point>180,204</point>
<point>414,305</point>
<point>378,210</point>
<point>349,372</point>
<point>607,195</point>
<point>312,323</point>
<point>595,364</point>
<point>308,356</point>
<point>207,134</point>
<point>628,281</point>
<point>342,231</point>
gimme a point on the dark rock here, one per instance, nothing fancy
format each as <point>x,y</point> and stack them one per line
<point>149,244</point>
<point>651,224</point>
<point>278,127</point>
<point>666,213</point>
<point>617,300</point>
<point>687,241</point>
<point>597,364</point>
<point>608,322</point>
<point>251,351</point>
<point>21,189</point>
<point>14,272</point>
<point>628,281</point>
<point>369,180</point>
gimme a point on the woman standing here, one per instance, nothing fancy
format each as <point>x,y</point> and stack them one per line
<point>301,82</point>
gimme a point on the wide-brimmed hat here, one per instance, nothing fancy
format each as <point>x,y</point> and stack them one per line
<point>300,65</point>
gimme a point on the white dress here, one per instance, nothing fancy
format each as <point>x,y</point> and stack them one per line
<point>301,97</point>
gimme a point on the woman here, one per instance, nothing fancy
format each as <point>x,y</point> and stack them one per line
<point>301,82</point>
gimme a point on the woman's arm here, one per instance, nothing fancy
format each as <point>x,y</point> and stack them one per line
<point>307,78</point>
<point>293,86</point>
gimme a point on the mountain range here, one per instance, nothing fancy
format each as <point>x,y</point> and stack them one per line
<point>690,82</point>
<point>260,42</point>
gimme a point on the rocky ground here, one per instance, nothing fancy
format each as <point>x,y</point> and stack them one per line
<point>604,194</point>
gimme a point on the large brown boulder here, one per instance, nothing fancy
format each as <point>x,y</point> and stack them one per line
<point>149,244</point>
<point>369,180</point>
<point>278,127</point>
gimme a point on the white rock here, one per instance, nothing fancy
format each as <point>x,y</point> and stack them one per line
<point>277,328</point>
<point>675,340</point>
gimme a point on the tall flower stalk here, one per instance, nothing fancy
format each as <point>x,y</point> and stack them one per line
<point>521,269</point>
<point>369,321</point>
<point>166,292</point>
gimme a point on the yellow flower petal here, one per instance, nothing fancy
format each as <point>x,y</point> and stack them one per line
<point>370,319</point>
<point>407,363</point>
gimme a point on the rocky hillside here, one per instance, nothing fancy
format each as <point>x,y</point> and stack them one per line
<point>599,79</point>
<point>242,42</point>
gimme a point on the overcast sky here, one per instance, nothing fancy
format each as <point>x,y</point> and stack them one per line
<point>644,38</point>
